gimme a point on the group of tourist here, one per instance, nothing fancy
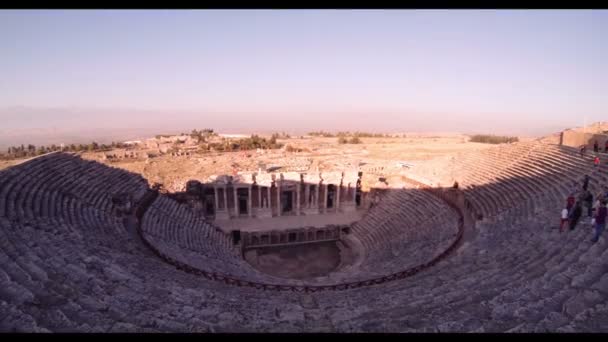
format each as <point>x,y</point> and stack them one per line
<point>596,211</point>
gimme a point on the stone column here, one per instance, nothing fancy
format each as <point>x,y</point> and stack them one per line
<point>326,186</point>
<point>268,200</point>
<point>236,201</point>
<point>217,201</point>
<point>259,197</point>
<point>249,201</point>
<point>278,198</point>
<point>298,199</point>
<point>337,204</point>
<point>226,200</point>
<point>307,196</point>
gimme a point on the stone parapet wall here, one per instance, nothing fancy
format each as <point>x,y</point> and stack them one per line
<point>293,236</point>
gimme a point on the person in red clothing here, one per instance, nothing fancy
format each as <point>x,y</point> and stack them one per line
<point>596,161</point>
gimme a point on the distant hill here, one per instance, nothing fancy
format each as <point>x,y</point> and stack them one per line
<point>31,125</point>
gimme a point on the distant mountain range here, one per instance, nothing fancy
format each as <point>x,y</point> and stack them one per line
<point>45,126</point>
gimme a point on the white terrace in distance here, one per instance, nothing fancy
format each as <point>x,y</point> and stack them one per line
<point>258,201</point>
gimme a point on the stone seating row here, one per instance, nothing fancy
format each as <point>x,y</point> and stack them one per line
<point>41,180</point>
<point>493,189</point>
<point>516,274</point>
<point>398,211</point>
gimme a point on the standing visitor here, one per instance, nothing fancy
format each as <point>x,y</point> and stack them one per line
<point>600,221</point>
<point>596,161</point>
<point>576,215</point>
<point>563,220</point>
<point>596,205</point>
<point>570,202</point>
<point>585,182</point>
<point>606,146</point>
<point>596,147</point>
<point>589,202</point>
<point>583,150</point>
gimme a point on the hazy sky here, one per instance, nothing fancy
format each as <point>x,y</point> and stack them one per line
<point>391,70</point>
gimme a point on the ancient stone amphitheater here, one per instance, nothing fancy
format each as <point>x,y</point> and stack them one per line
<point>485,258</point>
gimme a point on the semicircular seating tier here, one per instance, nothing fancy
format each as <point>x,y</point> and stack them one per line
<point>68,264</point>
<point>504,176</point>
<point>410,223</point>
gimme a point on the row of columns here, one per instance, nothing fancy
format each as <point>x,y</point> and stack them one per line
<point>310,202</point>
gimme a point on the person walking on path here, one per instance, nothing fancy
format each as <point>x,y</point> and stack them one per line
<point>600,221</point>
<point>596,161</point>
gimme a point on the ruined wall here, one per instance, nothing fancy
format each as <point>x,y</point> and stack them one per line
<point>576,139</point>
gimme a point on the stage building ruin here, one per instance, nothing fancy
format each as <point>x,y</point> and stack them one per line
<point>262,195</point>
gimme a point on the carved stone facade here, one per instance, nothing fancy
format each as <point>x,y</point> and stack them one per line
<point>261,194</point>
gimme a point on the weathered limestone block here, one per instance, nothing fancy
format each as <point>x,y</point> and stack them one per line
<point>292,313</point>
<point>17,321</point>
<point>602,284</point>
<point>16,294</point>
<point>122,327</point>
<point>551,322</point>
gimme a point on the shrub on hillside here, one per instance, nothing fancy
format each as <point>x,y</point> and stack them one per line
<point>345,140</point>
<point>321,134</point>
<point>493,139</point>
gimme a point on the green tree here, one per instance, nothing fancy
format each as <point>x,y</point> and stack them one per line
<point>493,139</point>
